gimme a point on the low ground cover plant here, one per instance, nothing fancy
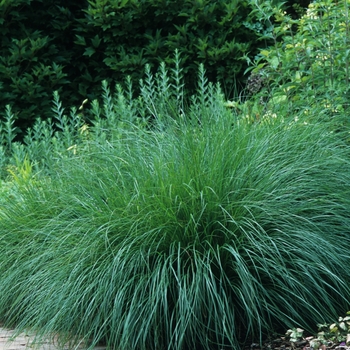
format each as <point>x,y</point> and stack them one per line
<point>328,334</point>
<point>194,230</point>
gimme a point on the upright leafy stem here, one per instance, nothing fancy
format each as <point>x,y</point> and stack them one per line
<point>178,83</point>
<point>8,130</point>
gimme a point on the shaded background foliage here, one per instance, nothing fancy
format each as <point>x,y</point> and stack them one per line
<point>37,56</point>
<point>71,46</point>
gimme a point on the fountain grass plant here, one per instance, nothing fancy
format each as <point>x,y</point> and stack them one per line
<point>197,232</point>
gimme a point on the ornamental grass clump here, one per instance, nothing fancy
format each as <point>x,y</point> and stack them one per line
<point>196,232</point>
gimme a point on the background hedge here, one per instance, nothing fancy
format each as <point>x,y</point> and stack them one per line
<point>71,46</point>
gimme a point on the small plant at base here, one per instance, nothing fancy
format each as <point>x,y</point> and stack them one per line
<point>295,334</point>
<point>338,331</point>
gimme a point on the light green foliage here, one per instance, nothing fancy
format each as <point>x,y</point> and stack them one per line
<point>46,142</point>
<point>8,133</point>
<point>178,226</point>
<point>309,64</point>
<point>336,332</point>
<point>68,134</point>
<point>294,334</point>
<point>21,174</point>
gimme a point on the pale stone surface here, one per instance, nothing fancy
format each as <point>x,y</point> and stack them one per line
<point>24,341</point>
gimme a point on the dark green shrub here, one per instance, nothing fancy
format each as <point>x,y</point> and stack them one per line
<point>297,9</point>
<point>132,33</point>
<point>72,47</point>
<point>37,57</point>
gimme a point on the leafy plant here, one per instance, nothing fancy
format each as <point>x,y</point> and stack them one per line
<point>47,141</point>
<point>308,64</point>
<point>36,50</point>
<point>8,133</point>
<point>72,47</point>
<point>22,174</point>
<point>337,332</point>
<point>295,334</point>
<point>129,34</point>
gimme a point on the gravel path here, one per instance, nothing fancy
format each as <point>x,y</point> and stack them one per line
<point>24,341</point>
